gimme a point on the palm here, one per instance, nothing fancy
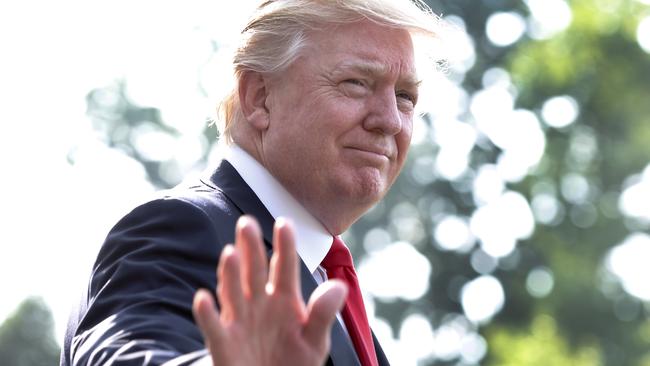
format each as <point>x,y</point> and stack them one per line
<point>263,319</point>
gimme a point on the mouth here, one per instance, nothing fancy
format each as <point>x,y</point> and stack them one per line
<point>369,153</point>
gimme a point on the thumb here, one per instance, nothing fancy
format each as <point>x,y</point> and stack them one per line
<point>324,303</point>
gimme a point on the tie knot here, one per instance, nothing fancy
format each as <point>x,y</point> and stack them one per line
<point>338,256</point>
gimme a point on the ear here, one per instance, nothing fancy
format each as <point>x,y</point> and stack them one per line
<point>252,98</point>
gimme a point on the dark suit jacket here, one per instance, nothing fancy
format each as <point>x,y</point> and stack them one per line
<point>137,308</point>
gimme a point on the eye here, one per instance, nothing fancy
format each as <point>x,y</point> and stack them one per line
<point>354,82</point>
<point>354,88</point>
<point>406,96</point>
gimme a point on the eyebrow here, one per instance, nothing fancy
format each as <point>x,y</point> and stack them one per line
<point>377,68</point>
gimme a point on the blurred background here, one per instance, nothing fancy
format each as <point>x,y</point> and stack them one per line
<point>518,232</point>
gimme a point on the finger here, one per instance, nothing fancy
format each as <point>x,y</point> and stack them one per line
<point>284,262</point>
<point>253,257</point>
<point>231,297</point>
<point>324,303</point>
<point>207,318</point>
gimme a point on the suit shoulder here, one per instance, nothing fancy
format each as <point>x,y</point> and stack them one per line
<point>188,199</point>
<point>181,218</point>
<point>211,200</point>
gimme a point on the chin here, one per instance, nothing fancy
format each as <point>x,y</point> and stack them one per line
<point>369,188</point>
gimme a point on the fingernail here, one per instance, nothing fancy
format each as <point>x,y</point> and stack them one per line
<point>283,221</point>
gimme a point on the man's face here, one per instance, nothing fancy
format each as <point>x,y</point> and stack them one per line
<point>341,117</point>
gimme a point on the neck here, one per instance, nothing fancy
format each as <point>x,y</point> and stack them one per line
<point>335,215</point>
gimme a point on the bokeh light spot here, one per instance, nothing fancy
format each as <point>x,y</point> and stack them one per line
<point>501,223</point>
<point>560,111</point>
<point>482,262</point>
<point>575,188</point>
<point>546,208</point>
<point>376,239</point>
<point>539,282</point>
<point>453,233</point>
<point>505,28</point>
<point>389,285</point>
<point>482,298</point>
<point>488,184</point>
<point>643,34</point>
<point>634,199</point>
<point>548,17</point>
<point>417,336</point>
<point>473,348</point>
<point>629,262</point>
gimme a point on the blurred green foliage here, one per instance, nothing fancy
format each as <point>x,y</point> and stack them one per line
<point>27,336</point>
<point>541,346</point>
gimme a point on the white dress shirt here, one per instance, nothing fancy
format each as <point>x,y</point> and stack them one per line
<point>313,241</point>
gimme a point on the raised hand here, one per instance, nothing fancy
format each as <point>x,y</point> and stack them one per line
<point>263,319</point>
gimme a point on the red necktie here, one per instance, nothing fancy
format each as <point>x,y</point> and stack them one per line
<point>338,263</point>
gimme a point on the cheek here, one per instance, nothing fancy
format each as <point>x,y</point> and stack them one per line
<point>330,123</point>
<point>403,139</point>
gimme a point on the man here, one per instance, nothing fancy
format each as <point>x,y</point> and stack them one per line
<point>318,127</point>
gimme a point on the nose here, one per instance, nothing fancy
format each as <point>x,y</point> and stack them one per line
<point>384,117</point>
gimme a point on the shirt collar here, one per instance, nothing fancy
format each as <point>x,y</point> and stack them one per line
<point>313,241</point>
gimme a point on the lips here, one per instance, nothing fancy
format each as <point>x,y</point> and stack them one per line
<point>373,151</point>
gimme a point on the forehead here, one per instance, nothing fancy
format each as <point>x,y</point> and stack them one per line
<point>365,46</point>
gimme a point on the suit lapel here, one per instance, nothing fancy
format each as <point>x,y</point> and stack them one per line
<point>381,357</point>
<point>226,179</point>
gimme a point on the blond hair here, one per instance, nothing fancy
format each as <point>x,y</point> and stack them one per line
<point>277,32</point>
